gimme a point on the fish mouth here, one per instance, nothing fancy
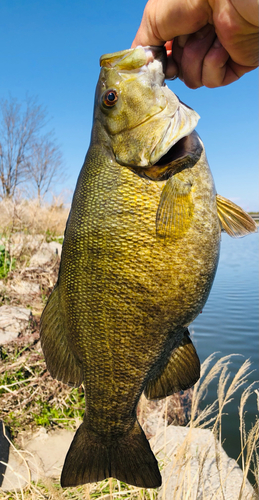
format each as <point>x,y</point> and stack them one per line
<point>190,146</point>
<point>180,124</point>
<point>185,153</point>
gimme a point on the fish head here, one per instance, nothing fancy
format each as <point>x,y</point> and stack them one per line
<point>142,117</point>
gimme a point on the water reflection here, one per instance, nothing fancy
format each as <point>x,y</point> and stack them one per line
<point>229,324</point>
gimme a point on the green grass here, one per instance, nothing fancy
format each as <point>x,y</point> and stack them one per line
<point>29,397</point>
<point>48,415</point>
<point>51,236</point>
<point>7,263</point>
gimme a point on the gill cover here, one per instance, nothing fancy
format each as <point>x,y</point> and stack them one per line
<point>145,118</point>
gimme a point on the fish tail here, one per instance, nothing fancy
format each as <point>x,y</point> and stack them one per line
<point>128,458</point>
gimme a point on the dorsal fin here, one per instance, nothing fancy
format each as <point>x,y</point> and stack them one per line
<point>234,220</point>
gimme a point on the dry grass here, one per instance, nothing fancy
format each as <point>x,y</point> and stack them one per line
<point>24,228</point>
<point>31,218</point>
<point>188,487</point>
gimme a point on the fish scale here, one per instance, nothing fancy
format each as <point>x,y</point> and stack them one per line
<point>142,271</point>
<point>139,257</point>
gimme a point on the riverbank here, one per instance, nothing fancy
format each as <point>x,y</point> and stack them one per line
<point>32,402</point>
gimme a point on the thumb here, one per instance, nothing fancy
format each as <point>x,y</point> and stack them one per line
<point>163,20</point>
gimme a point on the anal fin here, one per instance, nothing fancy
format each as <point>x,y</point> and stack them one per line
<point>181,372</point>
<point>59,357</point>
<point>234,220</point>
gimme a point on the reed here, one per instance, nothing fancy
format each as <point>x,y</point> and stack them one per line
<point>193,488</point>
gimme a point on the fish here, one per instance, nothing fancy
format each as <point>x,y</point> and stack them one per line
<point>140,253</point>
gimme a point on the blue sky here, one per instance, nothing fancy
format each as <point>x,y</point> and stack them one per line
<point>51,49</point>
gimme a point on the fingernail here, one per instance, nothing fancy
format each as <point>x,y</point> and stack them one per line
<point>217,43</point>
<point>203,32</point>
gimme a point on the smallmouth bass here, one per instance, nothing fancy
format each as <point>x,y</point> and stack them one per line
<point>139,257</point>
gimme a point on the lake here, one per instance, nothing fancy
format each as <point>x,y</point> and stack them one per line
<point>229,324</point>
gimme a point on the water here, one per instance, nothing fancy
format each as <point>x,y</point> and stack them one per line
<point>229,324</point>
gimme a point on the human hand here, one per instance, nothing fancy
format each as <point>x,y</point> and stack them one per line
<point>208,42</point>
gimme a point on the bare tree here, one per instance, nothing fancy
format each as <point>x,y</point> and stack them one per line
<point>25,154</point>
<point>45,165</point>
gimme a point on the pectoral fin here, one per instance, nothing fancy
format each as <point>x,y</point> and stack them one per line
<point>181,372</point>
<point>175,210</point>
<point>234,220</point>
<point>59,357</point>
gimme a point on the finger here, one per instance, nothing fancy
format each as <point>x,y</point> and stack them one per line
<point>176,56</point>
<point>182,40</point>
<point>174,59</point>
<point>145,38</point>
<point>172,70</point>
<point>215,66</point>
<point>219,69</point>
<point>165,20</point>
<point>193,54</point>
<point>147,33</point>
<point>171,66</point>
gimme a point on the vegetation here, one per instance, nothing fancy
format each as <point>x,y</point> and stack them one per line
<point>27,154</point>
<point>7,263</point>
<point>51,406</point>
<point>30,398</point>
<point>27,217</point>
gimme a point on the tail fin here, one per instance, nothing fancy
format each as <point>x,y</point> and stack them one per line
<point>129,459</point>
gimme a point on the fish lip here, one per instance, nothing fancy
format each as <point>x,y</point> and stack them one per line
<point>159,54</point>
<point>122,59</point>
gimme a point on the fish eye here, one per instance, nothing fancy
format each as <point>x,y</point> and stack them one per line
<point>110,98</point>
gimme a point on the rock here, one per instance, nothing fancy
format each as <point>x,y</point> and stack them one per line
<point>14,471</point>
<point>20,243</point>
<point>42,257</point>
<point>43,455</point>
<point>188,457</point>
<point>154,414</point>
<point>13,320</point>
<point>191,465</point>
<point>23,287</point>
<point>55,247</point>
<point>46,253</point>
<point>47,452</point>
